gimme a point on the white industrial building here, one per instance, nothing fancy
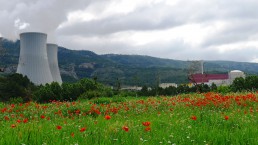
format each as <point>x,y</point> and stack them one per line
<point>34,61</point>
<point>166,85</point>
<point>232,75</point>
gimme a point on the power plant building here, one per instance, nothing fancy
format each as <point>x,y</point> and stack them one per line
<point>217,79</point>
<point>53,62</point>
<point>33,61</point>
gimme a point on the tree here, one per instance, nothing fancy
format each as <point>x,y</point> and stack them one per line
<point>251,82</point>
<point>213,87</point>
<point>14,86</point>
<point>144,91</point>
<point>238,84</point>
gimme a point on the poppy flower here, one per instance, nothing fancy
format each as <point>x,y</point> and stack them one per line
<point>25,120</point>
<point>83,129</point>
<point>125,128</point>
<point>6,118</point>
<point>147,123</point>
<point>107,117</point>
<point>18,121</point>
<point>226,117</point>
<point>58,127</point>
<point>194,118</point>
<point>13,125</point>
<point>72,134</point>
<point>42,116</point>
<point>147,128</point>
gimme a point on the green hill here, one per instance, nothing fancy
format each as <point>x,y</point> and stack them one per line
<point>125,69</point>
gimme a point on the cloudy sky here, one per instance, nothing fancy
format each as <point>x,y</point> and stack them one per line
<point>175,29</point>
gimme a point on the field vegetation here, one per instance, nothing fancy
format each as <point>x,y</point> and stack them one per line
<point>87,112</point>
<point>207,118</point>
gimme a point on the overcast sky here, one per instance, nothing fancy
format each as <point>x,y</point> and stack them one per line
<point>175,29</point>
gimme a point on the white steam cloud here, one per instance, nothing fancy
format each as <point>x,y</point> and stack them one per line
<point>20,25</point>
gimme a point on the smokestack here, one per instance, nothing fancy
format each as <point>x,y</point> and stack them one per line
<point>33,61</point>
<point>1,46</point>
<point>202,69</point>
<point>52,50</point>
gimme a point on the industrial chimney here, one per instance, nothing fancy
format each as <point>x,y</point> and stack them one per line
<point>53,62</point>
<point>33,61</point>
<point>1,42</point>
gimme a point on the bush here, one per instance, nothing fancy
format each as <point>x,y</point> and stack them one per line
<point>103,100</point>
<point>16,100</point>
<point>84,89</point>
<point>223,89</point>
<point>91,94</point>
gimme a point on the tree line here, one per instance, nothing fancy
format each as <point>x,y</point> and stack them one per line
<point>18,88</point>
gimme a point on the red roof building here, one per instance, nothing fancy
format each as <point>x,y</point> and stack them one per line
<point>206,78</point>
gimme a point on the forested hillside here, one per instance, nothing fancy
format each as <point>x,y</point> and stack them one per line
<point>115,69</point>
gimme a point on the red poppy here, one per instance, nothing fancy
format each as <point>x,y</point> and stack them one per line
<point>13,125</point>
<point>3,110</point>
<point>147,128</point>
<point>72,134</point>
<point>83,129</point>
<point>25,120</point>
<point>97,112</point>
<point>194,118</point>
<point>6,118</point>
<point>58,127</point>
<point>107,117</point>
<point>125,128</point>
<point>147,123</point>
<point>226,117</point>
<point>18,121</point>
<point>42,116</point>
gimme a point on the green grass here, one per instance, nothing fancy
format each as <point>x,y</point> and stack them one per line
<point>170,119</point>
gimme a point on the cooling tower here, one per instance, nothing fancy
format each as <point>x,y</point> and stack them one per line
<point>53,62</point>
<point>33,61</point>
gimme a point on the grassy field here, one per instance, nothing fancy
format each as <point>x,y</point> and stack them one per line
<point>182,120</point>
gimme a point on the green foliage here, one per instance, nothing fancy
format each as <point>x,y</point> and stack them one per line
<point>14,86</point>
<point>16,100</point>
<point>102,100</point>
<point>130,69</point>
<point>223,89</point>
<point>171,91</point>
<point>208,118</point>
<point>238,84</point>
<point>125,93</point>
<point>250,83</point>
<point>83,89</point>
<point>91,94</point>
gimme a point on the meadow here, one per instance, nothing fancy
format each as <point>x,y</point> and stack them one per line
<point>209,118</point>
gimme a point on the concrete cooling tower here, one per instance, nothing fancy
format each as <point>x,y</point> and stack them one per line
<point>33,61</point>
<point>53,62</point>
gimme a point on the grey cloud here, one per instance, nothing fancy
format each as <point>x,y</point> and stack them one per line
<point>46,15</point>
<point>237,31</point>
<point>98,45</point>
<point>146,18</point>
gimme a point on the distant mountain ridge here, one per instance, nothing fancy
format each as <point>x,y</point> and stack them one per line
<point>113,69</point>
